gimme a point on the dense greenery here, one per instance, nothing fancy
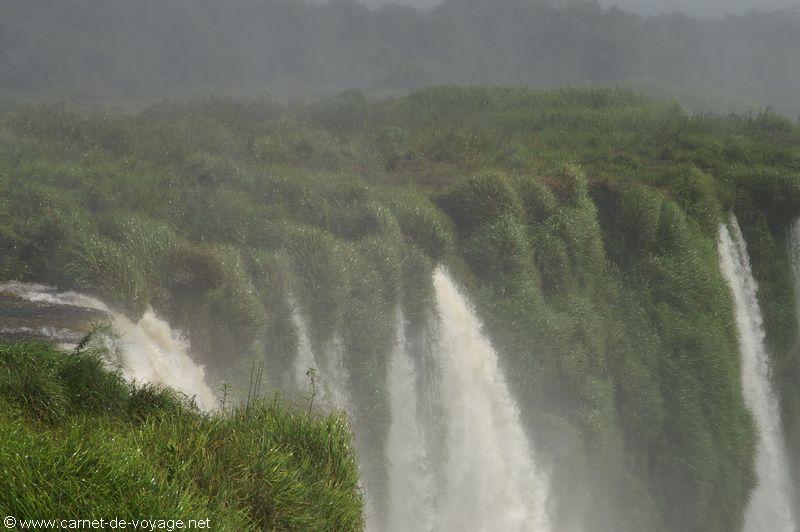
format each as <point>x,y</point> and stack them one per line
<point>145,50</point>
<point>582,222</point>
<point>77,441</point>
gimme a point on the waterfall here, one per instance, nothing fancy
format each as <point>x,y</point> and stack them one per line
<point>304,358</point>
<point>149,349</point>
<point>411,486</point>
<point>331,374</point>
<point>154,352</point>
<point>482,475</point>
<point>794,248</point>
<point>491,481</point>
<point>769,508</point>
<point>331,381</point>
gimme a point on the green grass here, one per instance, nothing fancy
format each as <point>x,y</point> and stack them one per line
<point>77,441</point>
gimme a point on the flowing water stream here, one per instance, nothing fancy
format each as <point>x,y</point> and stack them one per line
<point>770,504</point>
<point>149,349</point>
<point>486,477</point>
<point>411,482</point>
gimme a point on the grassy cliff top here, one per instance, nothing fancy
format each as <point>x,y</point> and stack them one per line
<point>77,441</point>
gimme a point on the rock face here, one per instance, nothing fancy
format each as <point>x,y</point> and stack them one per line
<point>38,312</point>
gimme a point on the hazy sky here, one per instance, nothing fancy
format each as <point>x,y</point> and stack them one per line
<point>690,7</point>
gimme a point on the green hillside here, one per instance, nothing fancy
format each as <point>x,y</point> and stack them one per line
<point>582,223</point>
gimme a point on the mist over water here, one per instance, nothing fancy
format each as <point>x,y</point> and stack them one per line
<point>304,358</point>
<point>297,50</point>
<point>703,8</point>
<point>770,503</point>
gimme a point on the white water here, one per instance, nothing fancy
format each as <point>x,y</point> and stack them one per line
<point>490,479</point>
<point>305,360</point>
<point>330,372</point>
<point>411,484</point>
<point>794,247</point>
<point>150,350</point>
<point>153,352</point>
<point>483,476</point>
<point>769,509</point>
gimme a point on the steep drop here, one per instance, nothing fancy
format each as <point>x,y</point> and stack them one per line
<point>327,363</point>
<point>794,249</point>
<point>490,479</point>
<point>411,483</point>
<point>770,506</point>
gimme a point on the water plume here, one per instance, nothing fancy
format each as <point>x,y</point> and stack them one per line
<point>769,507</point>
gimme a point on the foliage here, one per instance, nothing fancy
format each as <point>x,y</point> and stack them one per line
<point>582,223</point>
<point>78,440</point>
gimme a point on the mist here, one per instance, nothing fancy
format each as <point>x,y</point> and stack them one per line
<point>705,8</point>
<point>92,51</point>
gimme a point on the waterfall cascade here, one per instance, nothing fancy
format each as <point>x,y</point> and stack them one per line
<point>331,375</point>
<point>411,482</point>
<point>491,481</point>
<point>487,479</point>
<point>481,476</point>
<point>794,249</point>
<point>770,507</point>
<point>150,350</point>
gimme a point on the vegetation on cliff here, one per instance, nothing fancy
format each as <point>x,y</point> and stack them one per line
<point>78,442</point>
<point>581,221</point>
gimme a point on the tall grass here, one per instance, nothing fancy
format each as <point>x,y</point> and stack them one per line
<point>76,441</point>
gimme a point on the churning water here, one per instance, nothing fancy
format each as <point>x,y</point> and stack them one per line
<point>150,350</point>
<point>770,504</point>
<point>491,481</point>
<point>486,477</point>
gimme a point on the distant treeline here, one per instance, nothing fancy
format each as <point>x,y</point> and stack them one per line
<point>115,50</point>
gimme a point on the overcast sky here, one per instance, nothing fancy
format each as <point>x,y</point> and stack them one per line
<point>690,7</point>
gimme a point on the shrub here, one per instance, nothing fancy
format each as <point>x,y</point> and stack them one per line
<point>696,193</point>
<point>423,225</point>
<point>344,113</point>
<point>498,250</point>
<point>638,218</point>
<point>480,199</point>
<point>573,183</point>
<point>97,265</point>
<point>151,244</point>
<point>538,200</point>
<point>320,270</point>
<point>417,285</point>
